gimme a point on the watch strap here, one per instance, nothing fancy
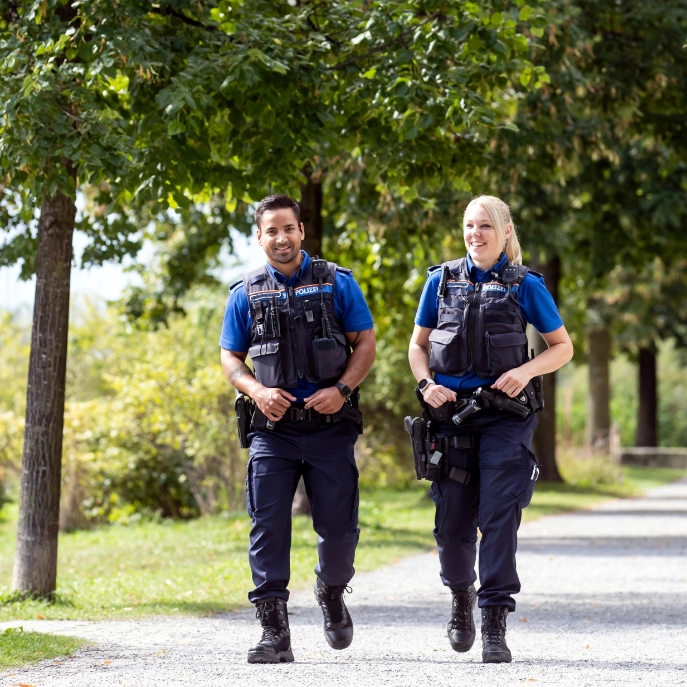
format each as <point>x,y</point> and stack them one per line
<point>344,390</point>
<point>427,381</point>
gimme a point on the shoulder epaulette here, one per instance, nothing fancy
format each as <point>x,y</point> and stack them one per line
<point>431,270</point>
<point>344,270</point>
<point>536,274</point>
<point>235,285</point>
<point>256,275</point>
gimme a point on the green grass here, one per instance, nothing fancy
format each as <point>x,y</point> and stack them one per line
<point>19,648</point>
<point>201,567</point>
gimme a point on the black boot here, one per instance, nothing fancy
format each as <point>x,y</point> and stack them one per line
<point>461,626</point>
<point>275,645</point>
<point>494,648</point>
<point>338,626</point>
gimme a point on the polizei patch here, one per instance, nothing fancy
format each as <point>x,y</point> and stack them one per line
<point>311,289</point>
<point>495,287</point>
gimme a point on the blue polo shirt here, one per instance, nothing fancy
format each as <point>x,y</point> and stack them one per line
<point>350,309</point>
<point>536,306</point>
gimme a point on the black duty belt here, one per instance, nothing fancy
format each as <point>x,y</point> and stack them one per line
<point>481,399</point>
<point>446,411</point>
<point>298,413</point>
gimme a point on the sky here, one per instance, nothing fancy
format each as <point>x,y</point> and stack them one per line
<point>108,282</point>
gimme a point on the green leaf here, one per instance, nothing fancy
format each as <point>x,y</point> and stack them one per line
<point>525,13</point>
<point>176,127</point>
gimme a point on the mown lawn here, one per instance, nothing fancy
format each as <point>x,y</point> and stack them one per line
<point>201,567</point>
<point>19,648</point>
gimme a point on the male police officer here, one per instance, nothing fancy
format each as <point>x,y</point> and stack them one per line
<point>309,333</point>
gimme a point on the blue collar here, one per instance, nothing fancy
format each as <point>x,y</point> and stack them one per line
<point>481,276</point>
<point>296,275</point>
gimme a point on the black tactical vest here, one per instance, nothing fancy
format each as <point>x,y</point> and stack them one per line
<point>480,328</point>
<point>290,336</point>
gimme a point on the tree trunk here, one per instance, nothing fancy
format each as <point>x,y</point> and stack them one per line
<point>311,216</point>
<point>647,427</point>
<point>599,401</point>
<point>35,561</point>
<point>544,439</point>
<point>311,212</point>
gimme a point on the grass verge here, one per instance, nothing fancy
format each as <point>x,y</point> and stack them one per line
<point>19,648</point>
<point>201,567</point>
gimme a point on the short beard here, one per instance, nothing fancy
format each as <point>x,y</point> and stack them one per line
<point>283,259</point>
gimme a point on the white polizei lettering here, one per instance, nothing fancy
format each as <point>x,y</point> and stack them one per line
<point>305,290</point>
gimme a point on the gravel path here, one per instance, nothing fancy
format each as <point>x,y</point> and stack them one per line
<point>604,603</point>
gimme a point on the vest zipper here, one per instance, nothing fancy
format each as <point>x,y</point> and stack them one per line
<point>473,315</point>
<point>296,345</point>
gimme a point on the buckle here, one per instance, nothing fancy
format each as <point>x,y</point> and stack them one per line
<point>297,414</point>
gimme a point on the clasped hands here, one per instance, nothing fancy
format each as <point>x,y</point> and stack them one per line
<point>275,402</point>
<point>511,383</point>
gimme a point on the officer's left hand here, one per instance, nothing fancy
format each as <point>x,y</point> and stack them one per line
<point>512,382</point>
<point>326,401</point>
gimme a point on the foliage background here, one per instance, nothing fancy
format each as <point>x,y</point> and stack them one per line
<point>150,429</point>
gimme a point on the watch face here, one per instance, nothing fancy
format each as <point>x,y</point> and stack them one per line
<point>422,384</point>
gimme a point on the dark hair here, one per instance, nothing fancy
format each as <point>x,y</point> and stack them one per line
<point>277,202</point>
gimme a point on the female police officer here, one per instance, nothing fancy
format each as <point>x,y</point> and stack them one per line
<point>470,333</point>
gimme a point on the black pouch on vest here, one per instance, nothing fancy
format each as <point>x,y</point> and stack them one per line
<point>267,363</point>
<point>330,357</point>
<point>446,353</point>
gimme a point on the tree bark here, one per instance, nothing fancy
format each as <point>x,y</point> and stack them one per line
<point>599,400</point>
<point>35,561</point>
<point>544,438</point>
<point>311,216</point>
<point>311,213</point>
<point>647,425</point>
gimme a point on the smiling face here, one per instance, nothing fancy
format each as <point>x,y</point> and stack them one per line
<point>481,237</point>
<point>280,236</point>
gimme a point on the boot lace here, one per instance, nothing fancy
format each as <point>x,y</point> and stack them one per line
<point>269,619</point>
<point>461,609</point>
<point>332,598</point>
<point>495,628</point>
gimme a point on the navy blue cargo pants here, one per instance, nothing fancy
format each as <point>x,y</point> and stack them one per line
<point>323,455</point>
<point>503,472</point>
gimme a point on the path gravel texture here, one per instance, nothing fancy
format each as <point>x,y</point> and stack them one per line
<point>604,602</point>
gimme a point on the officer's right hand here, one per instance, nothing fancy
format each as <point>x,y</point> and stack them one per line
<point>436,395</point>
<point>274,402</point>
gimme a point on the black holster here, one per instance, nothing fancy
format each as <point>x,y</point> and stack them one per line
<point>430,453</point>
<point>244,408</point>
<point>417,428</point>
<point>535,393</point>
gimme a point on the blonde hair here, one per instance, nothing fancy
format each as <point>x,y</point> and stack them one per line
<point>499,214</point>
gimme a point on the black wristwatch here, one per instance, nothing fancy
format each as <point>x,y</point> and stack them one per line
<point>424,383</point>
<point>344,390</point>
